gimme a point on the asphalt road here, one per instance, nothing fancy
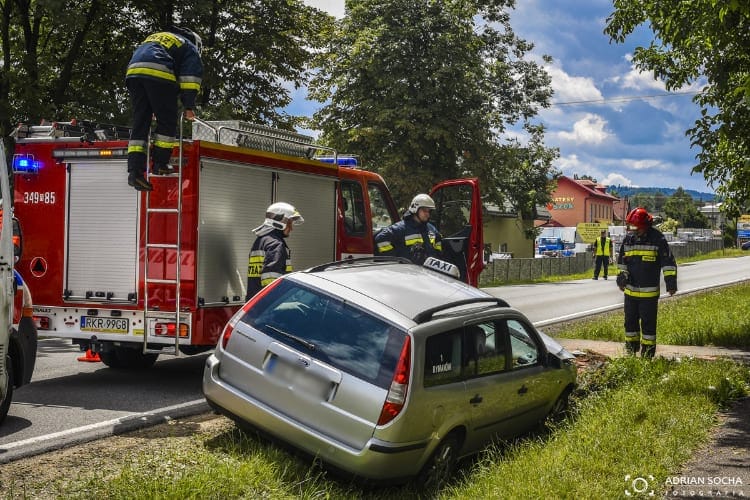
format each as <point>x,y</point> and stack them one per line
<point>70,401</point>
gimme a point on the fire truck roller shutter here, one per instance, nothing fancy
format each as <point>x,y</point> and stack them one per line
<point>314,196</point>
<point>102,252</point>
<point>233,199</point>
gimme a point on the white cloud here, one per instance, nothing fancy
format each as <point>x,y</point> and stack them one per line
<point>613,179</point>
<point>572,88</point>
<point>591,129</point>
<point>647,164</point>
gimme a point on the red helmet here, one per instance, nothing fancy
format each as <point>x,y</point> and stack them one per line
<point>639,217</point>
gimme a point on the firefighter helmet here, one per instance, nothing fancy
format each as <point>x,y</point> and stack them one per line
<point>639,217</point>
<point>191,35</point>
<point>279,213</point>
<point>421,201</point>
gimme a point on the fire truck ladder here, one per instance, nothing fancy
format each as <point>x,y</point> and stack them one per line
<point>151,315</point>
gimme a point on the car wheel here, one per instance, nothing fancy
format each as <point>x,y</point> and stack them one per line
<point>560,409</point>
<point>8,392</point>
<point>110,359</point>
<point>440,466</point>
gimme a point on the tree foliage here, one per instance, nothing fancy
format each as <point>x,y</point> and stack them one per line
<point>702,39</point>
<point>63,60</point>
<point>424,90</point>
<point>681,207</point>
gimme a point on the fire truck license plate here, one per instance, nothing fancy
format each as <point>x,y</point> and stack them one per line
<point>107,325</point>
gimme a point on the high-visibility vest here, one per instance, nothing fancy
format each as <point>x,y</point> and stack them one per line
<point>598,246</point>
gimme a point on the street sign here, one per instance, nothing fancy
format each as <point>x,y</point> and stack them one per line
<point>590,231</point>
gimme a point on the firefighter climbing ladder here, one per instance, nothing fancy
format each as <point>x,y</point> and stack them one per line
<point>150,314</point>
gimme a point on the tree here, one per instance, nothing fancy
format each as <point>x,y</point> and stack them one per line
<point>702,39</point>
<point>60,62</point>
<point>423,91</point>
<point>680,206</point>
<point>644,200</point>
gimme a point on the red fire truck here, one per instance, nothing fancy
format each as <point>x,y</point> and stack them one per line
<point>130,275</point>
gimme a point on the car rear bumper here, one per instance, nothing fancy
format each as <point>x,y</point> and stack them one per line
<point>376,460</point>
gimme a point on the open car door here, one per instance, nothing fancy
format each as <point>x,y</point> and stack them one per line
<point>458,217</point>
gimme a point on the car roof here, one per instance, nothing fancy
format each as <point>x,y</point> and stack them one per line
<point>406,288</point>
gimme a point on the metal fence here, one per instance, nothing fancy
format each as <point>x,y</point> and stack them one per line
<point>507,270</point>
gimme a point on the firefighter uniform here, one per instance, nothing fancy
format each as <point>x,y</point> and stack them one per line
<point>411,239</point>
<point>602,253</point>
<point>270,257</point>
<point>641,258</point>
<point>164,66</point>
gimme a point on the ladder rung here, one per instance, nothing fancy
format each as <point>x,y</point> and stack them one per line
<point>162,245</point>
<point>173,350</point>
<point>161,281</point>
<point>162,210</point>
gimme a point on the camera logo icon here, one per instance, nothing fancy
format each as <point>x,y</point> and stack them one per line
<point>639,485</point>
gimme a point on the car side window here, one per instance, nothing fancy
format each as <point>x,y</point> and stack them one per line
<point>442,364</point>
<point>523,348</point>
<point>484,349</point>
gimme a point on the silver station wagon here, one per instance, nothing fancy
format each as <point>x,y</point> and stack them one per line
<point>385,369</point>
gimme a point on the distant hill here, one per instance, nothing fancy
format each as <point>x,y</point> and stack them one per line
<point>629,191</point>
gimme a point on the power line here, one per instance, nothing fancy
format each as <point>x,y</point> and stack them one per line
<point>623,99</point>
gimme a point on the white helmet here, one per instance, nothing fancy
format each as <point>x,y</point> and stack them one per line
<point>279,213</point>
<point>191,35</point>
<point>421,201</point>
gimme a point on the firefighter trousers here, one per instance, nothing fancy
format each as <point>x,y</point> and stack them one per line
<point>640,325</point>
<point>152,98</point>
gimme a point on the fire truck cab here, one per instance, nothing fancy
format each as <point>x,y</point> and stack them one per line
<point>129,275</point>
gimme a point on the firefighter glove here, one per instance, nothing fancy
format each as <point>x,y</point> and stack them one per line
<point>623,279</point>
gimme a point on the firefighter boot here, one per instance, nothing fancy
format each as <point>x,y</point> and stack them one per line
<point>139,182</point>
<point>632,348</point>
<point>648,351</point>
<point>162,169</point>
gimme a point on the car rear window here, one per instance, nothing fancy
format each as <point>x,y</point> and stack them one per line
<point>329,329</point>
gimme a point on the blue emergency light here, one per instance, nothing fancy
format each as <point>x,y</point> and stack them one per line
<point>25,164</point>
<point>341,161</point>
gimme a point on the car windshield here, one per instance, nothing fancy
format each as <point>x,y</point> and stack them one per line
<point>329,329</point>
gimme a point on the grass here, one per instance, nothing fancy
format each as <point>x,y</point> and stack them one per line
<point>689,320</point>
<point>631,418</point>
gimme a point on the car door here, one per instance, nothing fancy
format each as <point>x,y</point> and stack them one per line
<point>458,217</point>
<point>494,389</point>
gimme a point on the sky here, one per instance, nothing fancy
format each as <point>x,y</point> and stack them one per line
<point>609,121</point>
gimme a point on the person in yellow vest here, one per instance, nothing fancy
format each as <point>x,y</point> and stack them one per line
<point>602,254</point>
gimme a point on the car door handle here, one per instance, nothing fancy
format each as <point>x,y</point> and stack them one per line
<point>476,399</point>
<point>523,390</point>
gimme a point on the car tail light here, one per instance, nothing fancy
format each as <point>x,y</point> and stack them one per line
<point>396,397</point>
<point>168,329</point>
<point>42,322</point>
<point>229,328</point>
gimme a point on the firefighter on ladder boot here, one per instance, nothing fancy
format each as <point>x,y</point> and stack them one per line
<point>644,253</point>
<point>270,256</point>
<point>166,65</point>
<point>413,237</point>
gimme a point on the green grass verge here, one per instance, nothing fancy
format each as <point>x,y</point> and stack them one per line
<point>633,417</point>
<point>716,318</point>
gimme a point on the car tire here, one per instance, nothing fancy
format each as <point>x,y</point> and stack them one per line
<point>441,464</point>
<point>561,408</point>
<point>5,403</point>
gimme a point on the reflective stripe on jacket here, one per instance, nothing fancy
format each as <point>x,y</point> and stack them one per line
<point>410,239</point>
<point>645,257</point>
<point>269,258</point>
<point>169,57</point>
